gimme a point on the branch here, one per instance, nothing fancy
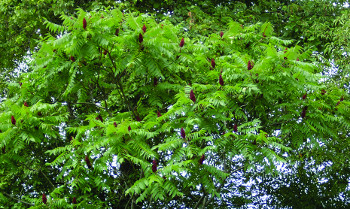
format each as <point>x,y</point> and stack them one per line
<point>53,186</point>
<point>19,200</point>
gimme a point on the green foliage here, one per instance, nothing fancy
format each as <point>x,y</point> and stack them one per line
<point>84,81</point>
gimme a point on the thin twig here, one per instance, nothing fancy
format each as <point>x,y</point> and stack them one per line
<point>19,200</point>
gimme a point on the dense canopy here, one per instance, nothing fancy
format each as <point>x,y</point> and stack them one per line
<point>174,104</point>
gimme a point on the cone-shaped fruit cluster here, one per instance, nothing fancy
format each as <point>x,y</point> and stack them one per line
<point>99,117</point>
<point>159,114</point>
<point>154,166</point>
<point>44,198</point>
<point>129,128</point>
<point>304,96</point>
<point>182,42</point>
<point>202,159</point>
<point>140,38</point>
<point>250,66</point>
<point>84,23</point>
<point>221,81</point>
<point>213,63</point>
<point>13,120</point>
<point>25,104</point>
<point>144,28</point>
<point>303,113</point>
<point>117,32</point>
<point>74,200</point>
<point>221,34</point>
<point>183,134</point>
<point>192,97</point>
<point>115,124</point>
<point>88,163</point>
<point>235,129</point>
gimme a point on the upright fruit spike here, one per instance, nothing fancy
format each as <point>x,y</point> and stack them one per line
<point>323,92</point>
<point>140,38</point>
<point>44,198</point>
<point>138,118</point>
<point>182,42</point>
<point>129,128</point>
<point>25,104</point>
<point>117,32</point>
<point>304,96</point>
<point>235,128</point>
<point>183,134</point>
<point>202,159</point>
<point>221,34</point>
<point>99,117</point>
<point>303,113</point>
<point>213,63</point>
<point>341,98</point>
<point>155,81</point>
<point>298,59</point>
<point>221,81</point>
<point>84,23</point>
<point>154,166</point>
<point>105,52</point>
<point>250,66</point>
<point>192,97</point>
<point>74,201</point>
<point>144,28</point>
<point>13,120</point>
<point>159,114</point>
<point>115,124</point>
<point>88,163</point>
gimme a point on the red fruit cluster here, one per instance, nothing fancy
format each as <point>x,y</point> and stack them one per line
<point>140,38</point>
<point>202,159</point>
<point>84,23</point>
<point>159,114</point>
<point>192,97</point>
<point>99,117</point>
<point>13,120</point>
<point>221,81</point>
<point>304,96</point>
<point>117,32</point>
<point>154,166</point>
<point>213,63</point>
<point>250,66</point>
<point>182,42</point>
<point>26,104</point>
<point>323,92</point>
<point>183,134</point>
<point>74,200</point>
<point>105,52</point>
<point>144,28</point>
<point>221,34</point>
<point>235,128</point>
<point>88,163</point>
<point>155,81</point>
<point>303,113</point>
<point>115,124</point>
<point>298,59</point>
<point>129,128</point>
<point>44,198</point>
<point>138,118</point>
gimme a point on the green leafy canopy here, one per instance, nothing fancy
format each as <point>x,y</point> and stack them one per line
<point>94,95</point>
